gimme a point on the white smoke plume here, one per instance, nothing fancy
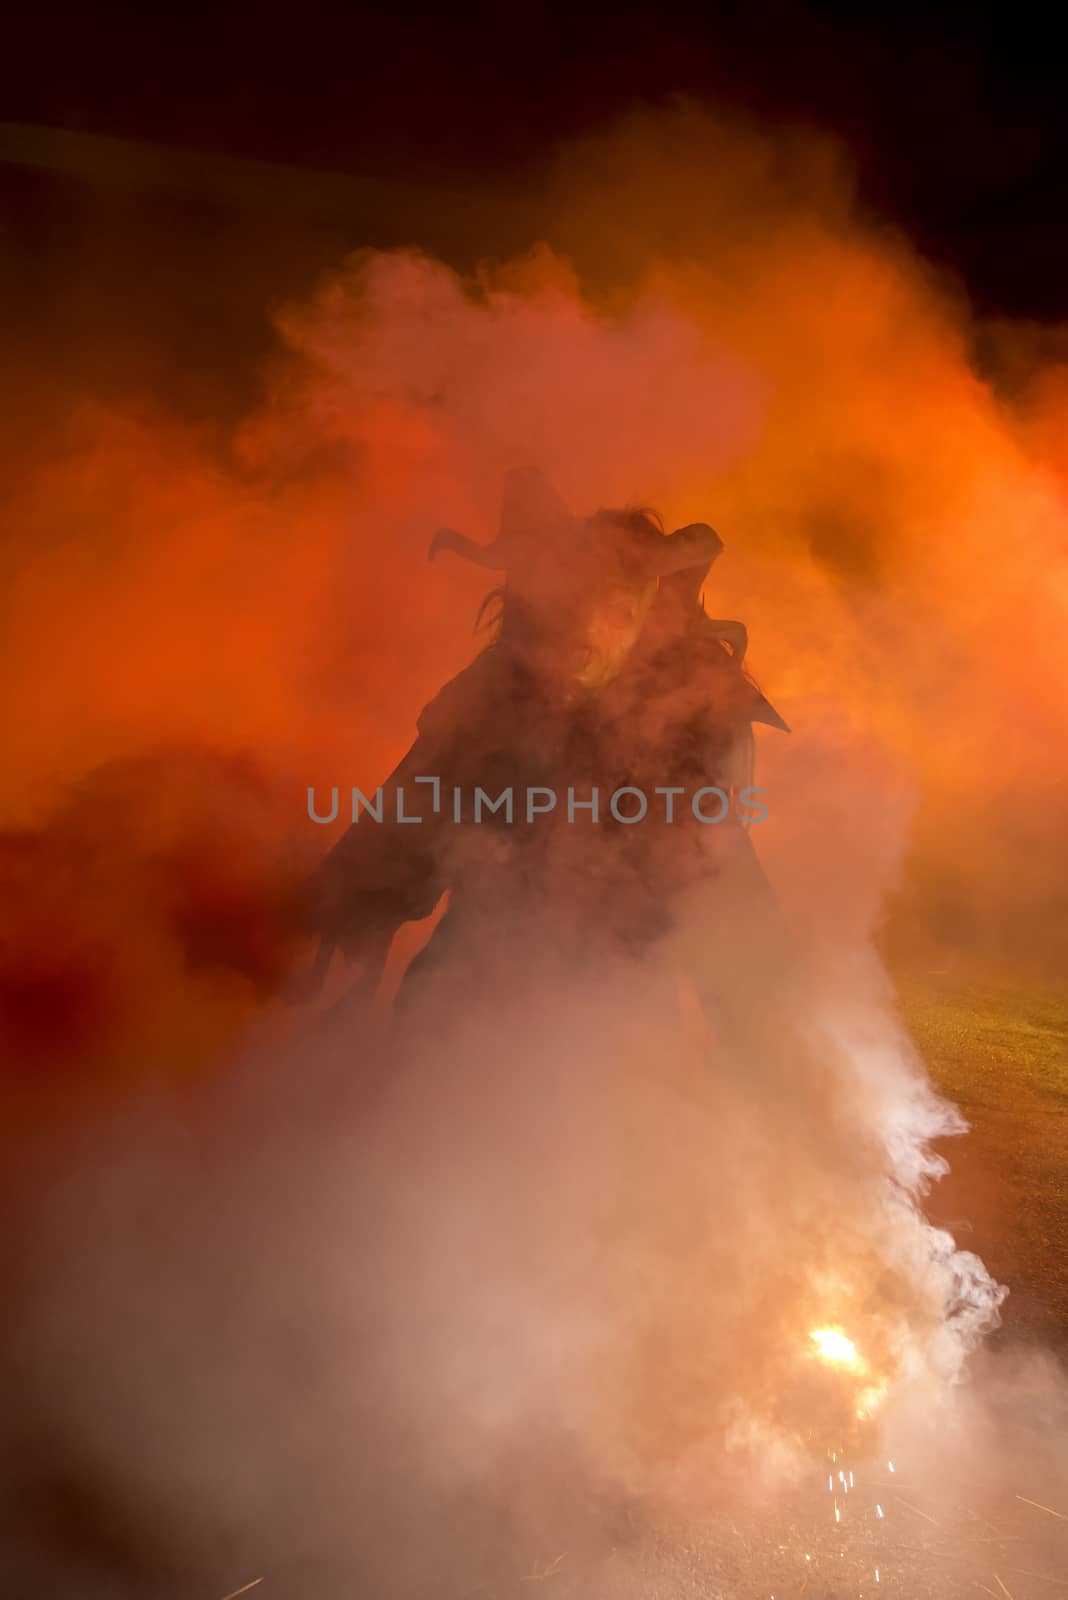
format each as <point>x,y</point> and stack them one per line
<point>533,1301</point>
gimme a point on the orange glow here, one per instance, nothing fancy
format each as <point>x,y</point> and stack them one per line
<point>711,330</point>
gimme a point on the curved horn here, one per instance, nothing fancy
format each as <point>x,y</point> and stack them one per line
<point>696,545</point>
<point>483,555</point>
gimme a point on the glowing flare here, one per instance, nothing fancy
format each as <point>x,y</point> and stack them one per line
<point>833,1346</point>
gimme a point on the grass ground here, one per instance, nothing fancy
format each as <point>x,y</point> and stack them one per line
<point>997,1045</point>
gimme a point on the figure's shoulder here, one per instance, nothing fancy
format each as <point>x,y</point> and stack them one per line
<point>468,698</point>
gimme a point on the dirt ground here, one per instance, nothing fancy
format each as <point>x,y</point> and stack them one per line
<point>997,1045</point>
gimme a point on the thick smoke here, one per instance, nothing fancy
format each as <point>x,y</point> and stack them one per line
<point>380,1318</point>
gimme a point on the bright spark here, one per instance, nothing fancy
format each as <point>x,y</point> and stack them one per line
<point>833,1346</point>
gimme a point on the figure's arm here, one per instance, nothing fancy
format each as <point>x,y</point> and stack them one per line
<point>380,873</point>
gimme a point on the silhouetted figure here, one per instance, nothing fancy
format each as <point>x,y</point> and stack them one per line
<point>604,672</point>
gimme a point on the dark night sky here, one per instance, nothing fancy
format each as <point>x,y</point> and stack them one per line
<point>954,117</point>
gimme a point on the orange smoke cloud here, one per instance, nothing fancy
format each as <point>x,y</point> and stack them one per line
<point>710,328</point>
